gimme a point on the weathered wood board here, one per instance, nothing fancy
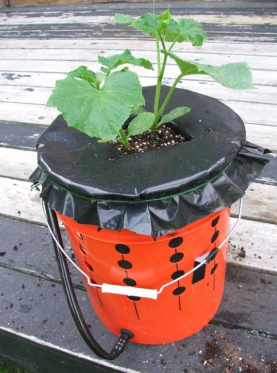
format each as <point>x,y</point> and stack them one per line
<point>24,314</point>
<point>20,203</point>
<point>39,95</point>
<point>257,49</point>
<point>17,163</point>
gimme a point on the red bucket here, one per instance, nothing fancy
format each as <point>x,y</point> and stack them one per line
<point>128,259</point>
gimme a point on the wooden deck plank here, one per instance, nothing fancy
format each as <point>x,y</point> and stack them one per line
<point>18,202</point>
<point>28,249</point>
<point>61,60</point>
<point>261,78</point>
<point>52,327</point>
<point>222,19</point>
<point>253,6</point>
<point>255,34</point>
<point>19,164</point>
<point>26,113</point>
<point>40,95</point>
<point>39,114</point>
<point>22,240</point>
<point>19,136</point>
<point>12,60</point>
<point>96,45</point>
<point>253,247</point>
<point>258,202</point>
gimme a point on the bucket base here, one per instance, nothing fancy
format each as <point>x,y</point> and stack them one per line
<point>125,258</point>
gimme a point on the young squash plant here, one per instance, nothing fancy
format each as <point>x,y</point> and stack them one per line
<point>99,103</point>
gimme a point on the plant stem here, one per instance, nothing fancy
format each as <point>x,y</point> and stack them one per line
<point>124,139</point>
<point>160,112</point>
<point>158,54</point>
<point>162,40</point>
<point>159,84</point>
<point>172,45</point>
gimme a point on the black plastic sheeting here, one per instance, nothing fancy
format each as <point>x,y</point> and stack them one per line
<point>156,192</point>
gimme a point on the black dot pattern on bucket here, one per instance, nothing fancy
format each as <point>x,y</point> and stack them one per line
<point>93,281</point>
<point>175,242</point>
<point>214,237</point>
<point>84,251</point>
<point>212,255</point>
<point>179,290</point>
<point>177,257</point>
<point>122,249</point>
<point>135,299</point>
<point>215,221</point>
<point>129,282</point>
<point>125,264</point>
<point>214,269</point>
<point>88,266</point>
<point>177,274</point>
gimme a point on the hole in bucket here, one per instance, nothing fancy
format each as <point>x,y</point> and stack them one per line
<point>212,255</point>
<point>122,249</point>
<point>93,281</point>
<point>175,258</point>
<point>135,299</point>
<point>79,235</point>
<point>215,221</point>
<point>88,266</point>
<point>214,269</point>
<point>175,242</point>
<point>214,237</point>
<point>129,282</point>
<point>84,251</point>
<point>125,264</point>
<point>177,274</point>
<point>179,290</point>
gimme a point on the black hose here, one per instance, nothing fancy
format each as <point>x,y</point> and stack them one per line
<point>73,302</point>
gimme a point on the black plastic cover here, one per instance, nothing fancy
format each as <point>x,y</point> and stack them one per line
<point>156,192</point>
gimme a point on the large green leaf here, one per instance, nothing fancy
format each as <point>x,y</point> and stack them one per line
<point>148,23</point>
<point>175,113</point>
<point>123,18</point>
<point>138,111</point>
<point>83,73</point>
<point>172,32</point>
<point>116,60</point>
<point>141,123</point>
<point>165,16</point>
<point>192,31</point>
<point>185,29</point>
<point>232,75</point>
<point>98,113</point>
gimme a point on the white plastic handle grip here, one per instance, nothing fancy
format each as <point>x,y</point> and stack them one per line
<point>130,291</point>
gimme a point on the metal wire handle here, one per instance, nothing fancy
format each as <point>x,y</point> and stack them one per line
<point>134,291</point>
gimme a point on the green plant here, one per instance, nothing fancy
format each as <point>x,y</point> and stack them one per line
<point>100,103</point>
